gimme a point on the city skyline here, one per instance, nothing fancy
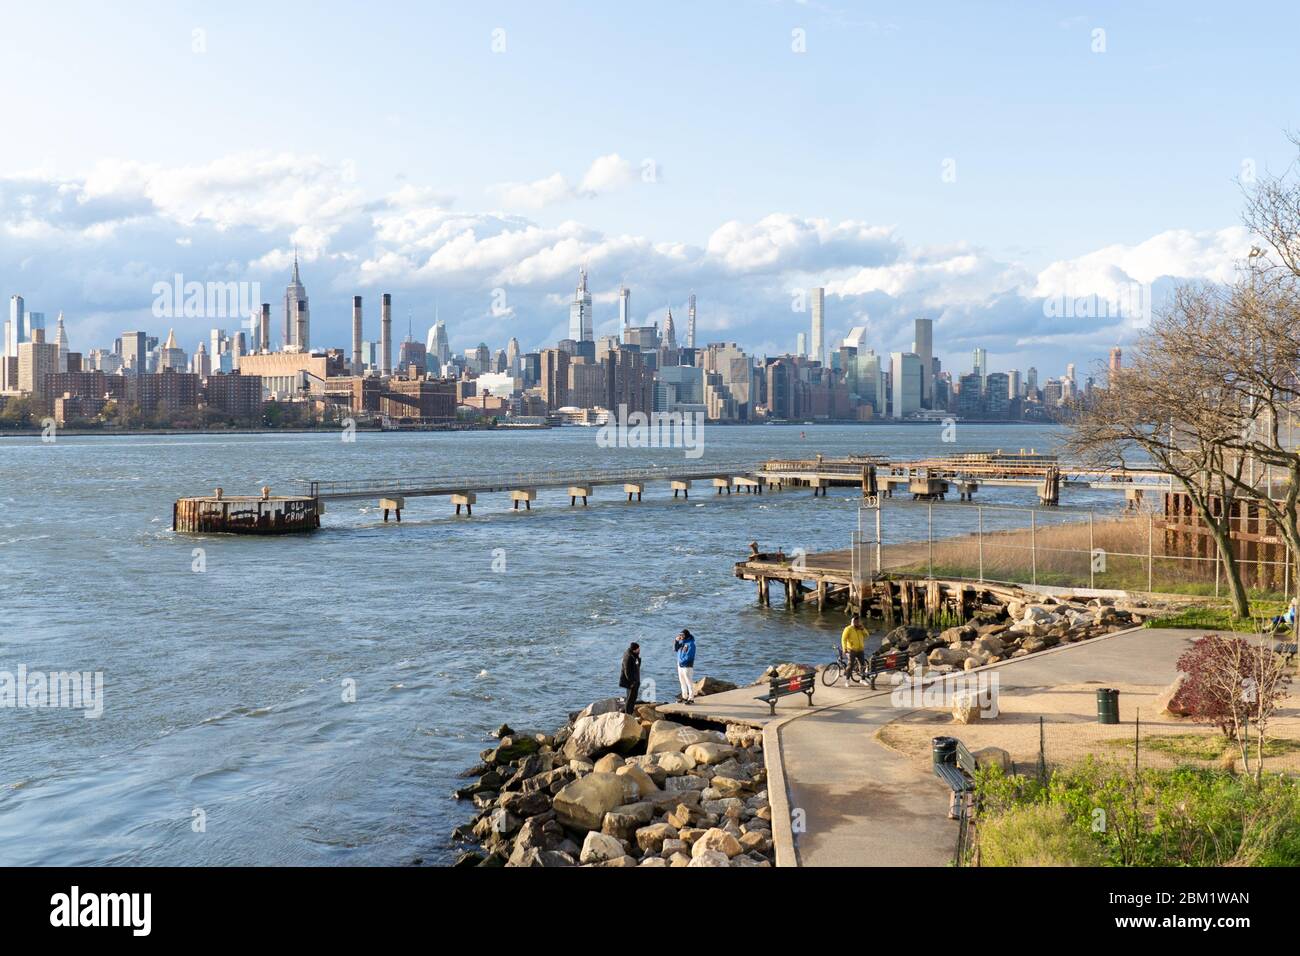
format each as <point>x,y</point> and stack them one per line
<point>915,213</point>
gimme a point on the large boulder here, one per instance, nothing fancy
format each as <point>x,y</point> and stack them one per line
<point>606,705</point>
<point>1173,699</point>
<point>710,753</point>
<point>993,757</point>
<point>988,644</point>
<point>712,685</point>
<point>599,847</point>
<point>669,737</point>
<point>949,655</point>
<point>965,708</point>
<point>709,858</point>
<point>718,840</point>
<point>674,765</point>
<point>525,804</point>
<point>593,736</point>
<point>582,805</point>
<point>638,780</point>
<point>785,672</point>
<point>651,839</point>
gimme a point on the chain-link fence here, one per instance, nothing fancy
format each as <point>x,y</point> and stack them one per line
<point>1143,551</point>
<point>1130,761</point>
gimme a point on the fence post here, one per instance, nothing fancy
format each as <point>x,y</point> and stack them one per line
<point>930,534</point>
<point>980,511</point>
<point>1151,551</point>
<point>1092,555</point>
<point>1033,546</point>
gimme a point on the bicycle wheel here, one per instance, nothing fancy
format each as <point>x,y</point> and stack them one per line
<point>831,674</point>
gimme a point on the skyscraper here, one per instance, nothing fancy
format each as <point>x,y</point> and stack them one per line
<point>61,340</point>
<point>980,364</point>
<point>580,324</point>
<point>670,333</point>
<point>513,363</point>
<point>923,346</point>
<point>1116,359</point>
<point>905,375</point>
<point>624,307</point>
<point>690,322</point>
<point>818,351</point>
<point>437,345</point>
<point>134,350</point>
<point>293,294</point>
<point>801,344</point>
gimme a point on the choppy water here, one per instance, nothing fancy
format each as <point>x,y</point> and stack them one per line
<point>224,689</point>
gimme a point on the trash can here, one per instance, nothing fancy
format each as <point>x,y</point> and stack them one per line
<point>945,750</point>
<point>1107,705</point>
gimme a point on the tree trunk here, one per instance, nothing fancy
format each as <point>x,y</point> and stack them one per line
<point>1223,540</point>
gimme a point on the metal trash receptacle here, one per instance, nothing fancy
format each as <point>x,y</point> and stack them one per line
<point>944,750</point>
<point>1107,705</point>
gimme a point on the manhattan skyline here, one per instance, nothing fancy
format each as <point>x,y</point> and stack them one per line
<point>460,198</point>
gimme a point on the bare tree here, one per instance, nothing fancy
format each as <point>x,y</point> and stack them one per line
<point>1177,414</point>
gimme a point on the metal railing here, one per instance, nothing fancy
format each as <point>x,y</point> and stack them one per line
<point>454,484</point>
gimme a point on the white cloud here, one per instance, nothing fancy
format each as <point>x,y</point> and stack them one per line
<point>93,246</point>
<point>606,174</point>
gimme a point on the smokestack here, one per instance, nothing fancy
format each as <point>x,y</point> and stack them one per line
<point>356,335</point>
<point>264,330</point>
<point>386,335</point>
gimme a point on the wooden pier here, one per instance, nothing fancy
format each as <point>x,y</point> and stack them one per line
<point>928,479</point>
<point>832,579</point>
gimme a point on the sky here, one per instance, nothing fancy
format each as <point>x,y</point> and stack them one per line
<point>1032,177</point>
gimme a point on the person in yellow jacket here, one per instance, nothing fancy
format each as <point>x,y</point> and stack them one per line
<point>853,641</point>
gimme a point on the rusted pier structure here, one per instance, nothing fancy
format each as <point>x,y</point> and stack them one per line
<point>220,513</point>
<point>928,479</point>
<point>829,580</point>
<point>933,478</point>
<point>578,485</point>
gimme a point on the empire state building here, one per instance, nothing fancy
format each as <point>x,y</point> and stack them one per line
<point>297,318</point>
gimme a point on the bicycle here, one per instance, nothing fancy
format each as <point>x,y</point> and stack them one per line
<point>838,668</point>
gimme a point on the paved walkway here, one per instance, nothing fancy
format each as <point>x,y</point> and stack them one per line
<point>854,802</point>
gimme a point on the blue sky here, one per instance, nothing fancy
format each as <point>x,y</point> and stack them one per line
<point>403,154</point>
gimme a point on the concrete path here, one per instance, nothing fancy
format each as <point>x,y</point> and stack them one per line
<point>839,798</point>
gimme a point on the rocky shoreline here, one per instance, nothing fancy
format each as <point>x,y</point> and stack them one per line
<point>613,789</point>
<point>1018,629</point>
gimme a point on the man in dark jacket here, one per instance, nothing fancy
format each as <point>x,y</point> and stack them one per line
<point>630,675</point>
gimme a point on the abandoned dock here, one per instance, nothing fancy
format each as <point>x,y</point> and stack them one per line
<point>926,479</point>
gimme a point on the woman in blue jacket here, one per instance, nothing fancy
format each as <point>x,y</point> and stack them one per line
<point>684,644</point>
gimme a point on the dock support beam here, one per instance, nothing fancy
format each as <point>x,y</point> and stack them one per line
<point>721,483</point>
<point>764,598</point>
<point>683,486</point>
<point>748,485</point>
<point>467,500</point>
<point>526,495</point>
<point>579,491</point>
<point>392,504</point>
<point>634,488</point>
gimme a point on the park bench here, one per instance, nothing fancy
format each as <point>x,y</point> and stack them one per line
<point>959,775</point>
<point>778,687</point>
<point>1286,650</point>
<point>883,662</point>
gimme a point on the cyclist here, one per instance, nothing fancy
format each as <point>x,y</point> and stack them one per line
<point>853,641</point>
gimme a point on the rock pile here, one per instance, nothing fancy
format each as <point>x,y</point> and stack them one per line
<point>1022,628</point>
<point>611,789</point>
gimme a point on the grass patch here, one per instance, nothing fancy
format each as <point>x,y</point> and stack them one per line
<point>1220,617</point>
<point>1099,812</point>
<point>1206,747</point>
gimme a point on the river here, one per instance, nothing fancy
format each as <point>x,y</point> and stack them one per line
<point>226,737</point>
